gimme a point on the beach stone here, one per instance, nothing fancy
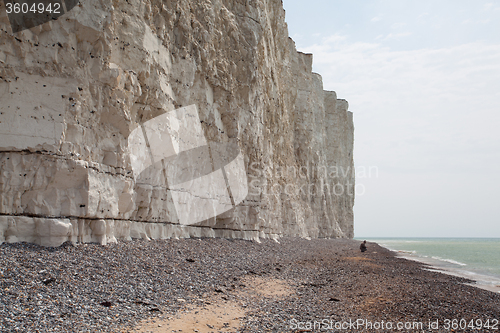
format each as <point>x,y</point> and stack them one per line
<point>105,110</point>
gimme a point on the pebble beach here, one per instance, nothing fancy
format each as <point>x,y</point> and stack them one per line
<point>220,285</point>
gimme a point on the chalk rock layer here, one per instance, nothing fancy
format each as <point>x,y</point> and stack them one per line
<point>150,119</point>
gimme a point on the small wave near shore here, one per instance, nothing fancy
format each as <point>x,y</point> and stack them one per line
<point>475,265</point>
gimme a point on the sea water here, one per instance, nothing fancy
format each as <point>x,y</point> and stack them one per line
<point>477,259</point>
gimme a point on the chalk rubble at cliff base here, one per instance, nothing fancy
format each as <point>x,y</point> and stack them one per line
<point>54,232</point>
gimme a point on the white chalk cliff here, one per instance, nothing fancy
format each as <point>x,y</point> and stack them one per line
<point>92,107</point>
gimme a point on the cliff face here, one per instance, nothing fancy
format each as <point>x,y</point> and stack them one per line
<point>87,100</point>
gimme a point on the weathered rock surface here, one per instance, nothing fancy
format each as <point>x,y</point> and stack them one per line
<point>74,90</point>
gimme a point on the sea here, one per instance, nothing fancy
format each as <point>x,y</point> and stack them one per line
<point>477,259</point>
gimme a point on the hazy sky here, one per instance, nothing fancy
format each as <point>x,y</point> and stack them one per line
<point>423,81</point>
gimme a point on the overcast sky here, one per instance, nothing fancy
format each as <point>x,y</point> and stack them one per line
<point>423,81</point>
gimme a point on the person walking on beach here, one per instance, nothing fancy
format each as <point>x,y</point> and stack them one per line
<point>362,247</point>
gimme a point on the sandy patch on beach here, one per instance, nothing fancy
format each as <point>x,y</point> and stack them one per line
<point>373,304</point>
<point>364,261</point>
<point>216,313</point>
<point>273,288</point>
<point>358,259</point>
<point>219,317</point>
